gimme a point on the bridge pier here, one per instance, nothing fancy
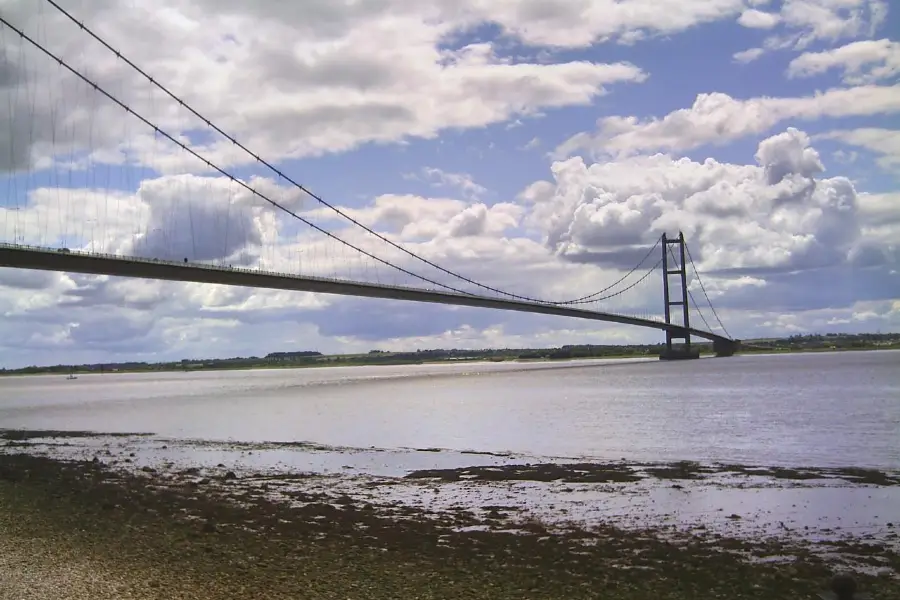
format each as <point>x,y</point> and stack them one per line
<point>726,347</point>
<point>679,353</point>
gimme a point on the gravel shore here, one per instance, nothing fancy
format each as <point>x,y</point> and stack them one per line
<point>38,568</point>
<point>83,529</point>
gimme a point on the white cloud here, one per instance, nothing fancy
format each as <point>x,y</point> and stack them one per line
<point>862,62</point>
<point>747,56</point>
<point>461,181</point>
<point>749,227</point>
<point>880,209</point>
<point>326,79</point>
<point>336,76</point>
<point>774,215</point>
<point>52,314</point>
<point>845,158</point>
<point>832,19</point>
<point>757,19</point>
<point>884,142</point>
<point>718,118</point>
<point>574,24</point>
<point>804,22</point>
<point>866,316</point>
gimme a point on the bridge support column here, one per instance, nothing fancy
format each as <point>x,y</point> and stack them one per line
<point>675,265</point>
<point>726,347</point>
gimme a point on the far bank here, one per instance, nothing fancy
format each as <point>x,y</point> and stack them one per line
<point>307,359</point>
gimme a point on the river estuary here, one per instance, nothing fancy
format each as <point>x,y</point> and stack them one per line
<point>351,424</point>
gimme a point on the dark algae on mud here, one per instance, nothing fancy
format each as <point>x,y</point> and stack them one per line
<point>189,534</point>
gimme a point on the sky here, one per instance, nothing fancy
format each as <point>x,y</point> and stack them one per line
<point>539,147</point>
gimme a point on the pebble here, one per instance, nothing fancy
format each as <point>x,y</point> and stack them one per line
<point>33,569</point>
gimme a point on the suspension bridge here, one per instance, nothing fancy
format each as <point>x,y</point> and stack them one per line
<point>124,182</point>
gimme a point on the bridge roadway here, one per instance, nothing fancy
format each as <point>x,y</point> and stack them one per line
<point>47,259</point>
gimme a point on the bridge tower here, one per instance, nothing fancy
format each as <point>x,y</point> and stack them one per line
<point>674,264</point>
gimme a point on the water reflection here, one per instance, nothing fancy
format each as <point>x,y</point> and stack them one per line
<point>805,409</point>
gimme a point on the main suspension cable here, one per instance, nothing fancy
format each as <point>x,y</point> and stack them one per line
<point>593,298</point>
<point>691,296</point>
<point>213,166</point>
<point>625,289</point>
<point>308,192</point>
<point>703,287</point>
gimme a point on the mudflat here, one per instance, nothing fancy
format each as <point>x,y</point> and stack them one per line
<point>84,529</point>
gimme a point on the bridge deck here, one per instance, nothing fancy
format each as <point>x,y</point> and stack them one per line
<point>46,259</point>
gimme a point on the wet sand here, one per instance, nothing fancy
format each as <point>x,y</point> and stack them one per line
<point>102,527</point>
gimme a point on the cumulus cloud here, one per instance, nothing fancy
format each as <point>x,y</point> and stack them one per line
<point>201,218</point>
<point>718,118</point>
<point>777,215</point>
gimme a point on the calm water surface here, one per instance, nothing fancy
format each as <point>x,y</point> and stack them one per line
<point>804,409</point>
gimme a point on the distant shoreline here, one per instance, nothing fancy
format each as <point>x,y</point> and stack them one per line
<point>336,364</point>
<point>352,360</point>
